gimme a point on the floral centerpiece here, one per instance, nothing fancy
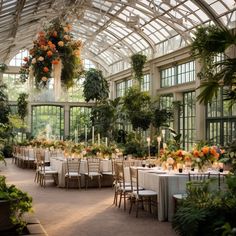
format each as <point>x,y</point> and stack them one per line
<point>206,155</point>
<point>175,157</point>
<point>54,48</point>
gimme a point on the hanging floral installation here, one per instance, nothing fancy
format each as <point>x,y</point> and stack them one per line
<point>54,54</point>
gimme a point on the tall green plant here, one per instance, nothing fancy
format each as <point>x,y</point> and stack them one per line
<point>209,42</point>
<point>95,86</point>
<point>104,117</point>
<point>137,106</point>
<point>4,106</point>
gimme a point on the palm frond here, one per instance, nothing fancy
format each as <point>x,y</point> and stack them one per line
<point>209,90</point>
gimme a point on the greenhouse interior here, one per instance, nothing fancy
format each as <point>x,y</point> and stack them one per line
<point>118,117</point>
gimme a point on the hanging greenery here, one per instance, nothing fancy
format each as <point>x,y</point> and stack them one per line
<point>54,45</point>
<point>138,60</point>
<point>210,42</point>
<point>3,67</point>
<point>22,105</point>
<point>95,86</point>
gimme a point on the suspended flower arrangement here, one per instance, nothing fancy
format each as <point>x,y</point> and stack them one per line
<point>54,54</point>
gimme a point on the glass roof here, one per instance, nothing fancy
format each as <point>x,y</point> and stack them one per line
<point>112,30</point>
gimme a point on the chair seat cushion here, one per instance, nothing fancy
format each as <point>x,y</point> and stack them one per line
<point>93,174</point>
<point>145,193</point>
<point>72,174</point>
<point>49,172</point>
<point>179,196</point>
<point>107,173</point>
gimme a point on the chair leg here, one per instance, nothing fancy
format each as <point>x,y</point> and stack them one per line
<point>99,181</point>
<point>131,204</point>
<point>121,195</point>
<point>137,208</point>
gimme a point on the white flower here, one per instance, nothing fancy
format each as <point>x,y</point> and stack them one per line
<point>33,61</point>
<point>41,58</point>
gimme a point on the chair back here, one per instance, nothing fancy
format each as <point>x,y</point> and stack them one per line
<point>198,177</point>
<point>119,173</point>
<point>73,165</point>
<point>134,179</point>
<point>93,165</point>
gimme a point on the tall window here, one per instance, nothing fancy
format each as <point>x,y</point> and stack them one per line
<point>18,59</point>
<point>48,122</point>
<point>122,87</point>
<point>145,83</point>
<point>14,86</point>
<point>178,74</point>
<point>187,120</point>
<point>80,122</point>
<point>221,121</point>
<point>166,102</point>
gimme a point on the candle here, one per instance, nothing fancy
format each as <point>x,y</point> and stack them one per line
<point>92,134</point>
<point>85,134</point>
<point>76,136</point>
<point>106,141</point>
<point>98,139</point>
<point>148,141</point>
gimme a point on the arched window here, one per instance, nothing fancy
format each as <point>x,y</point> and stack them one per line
<point>17,60</point>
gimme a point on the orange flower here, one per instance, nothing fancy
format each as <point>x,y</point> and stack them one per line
<point>205,150</point>
<point>31,51</point>
<point>41,34</point>
<point>196,153</point>
<point>45,69</point>
<point>51,45</point>
<point>49,53</point>
<point>55,62</point>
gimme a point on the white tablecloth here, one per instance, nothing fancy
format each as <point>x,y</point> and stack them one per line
<point>59,164</point>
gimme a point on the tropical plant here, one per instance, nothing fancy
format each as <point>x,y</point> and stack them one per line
<point>95,86</point>
<point>209,42</point>
<point>20,202</point>
<point>160,118</point>
<point>206,212</point>
<point>104,116</point>
<point>137,106</point>
<point>137,61</point>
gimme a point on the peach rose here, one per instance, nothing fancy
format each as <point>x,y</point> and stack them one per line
<point>44,78</point>
<point>60,43</point>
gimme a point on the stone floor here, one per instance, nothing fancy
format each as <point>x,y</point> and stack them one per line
<point>82,212</point>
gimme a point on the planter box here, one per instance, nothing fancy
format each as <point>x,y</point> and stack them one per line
<point>5,222</point>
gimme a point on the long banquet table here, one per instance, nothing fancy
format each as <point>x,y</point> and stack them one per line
<point>59,164</point>
<point>166,184</point>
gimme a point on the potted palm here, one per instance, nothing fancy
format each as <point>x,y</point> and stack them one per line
<point>13,204</point>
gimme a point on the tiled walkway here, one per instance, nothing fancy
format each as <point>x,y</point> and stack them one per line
<point>82,213</point>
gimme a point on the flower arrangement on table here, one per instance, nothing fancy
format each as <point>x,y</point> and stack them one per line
<point>54,48</point>
<point>174,157</point>
<point>206,155</point>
